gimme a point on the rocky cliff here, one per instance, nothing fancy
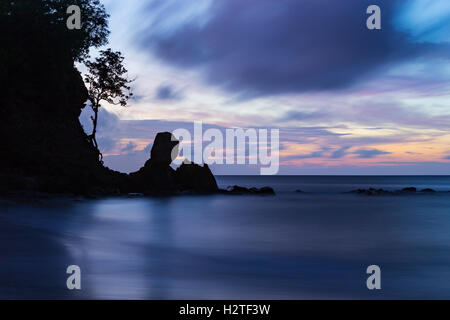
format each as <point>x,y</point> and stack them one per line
<point>44,147</point>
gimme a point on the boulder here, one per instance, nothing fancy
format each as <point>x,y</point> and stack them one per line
<point>428,190</point>
<point>191,176</point>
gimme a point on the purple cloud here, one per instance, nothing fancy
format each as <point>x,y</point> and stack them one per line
<point>369,153</point>
<point>341,152</point>
<point>130,147</point>
<point>283,46</point>
<point>167,92</point>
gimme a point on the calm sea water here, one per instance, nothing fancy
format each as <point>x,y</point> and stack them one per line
<point>316,244</point>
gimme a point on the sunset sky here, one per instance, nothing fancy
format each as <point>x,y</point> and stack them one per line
<point>347,100</point>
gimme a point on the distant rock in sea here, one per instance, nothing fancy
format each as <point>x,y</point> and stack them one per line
<point>243,191</point>
<point>409,189</point>
<point>404,191</point>
<point>371,191</point>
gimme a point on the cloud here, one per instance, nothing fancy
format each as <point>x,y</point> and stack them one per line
<point>341,152</point>
<point>106,144</point>
<point>427,20</point>
<point>412,153</point>
<point>107,127</point>
<point>131,146</point>
<point>393,113</point>
<point>167,92</point>
<point>107,121</point>
<point>369,153</point>
<point>278,47</point>
<point>294,115</point>
<point>447,158</point>
<point>148,148</point>
<point>315,154</point>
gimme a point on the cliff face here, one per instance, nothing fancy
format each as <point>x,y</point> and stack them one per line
<point>43,144</point>
<point>44,147</point>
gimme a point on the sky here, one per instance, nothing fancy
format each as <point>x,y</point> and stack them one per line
<point>346,99</point>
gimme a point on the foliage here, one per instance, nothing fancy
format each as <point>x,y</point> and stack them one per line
<point>106,81</point>
<point>44,22</point>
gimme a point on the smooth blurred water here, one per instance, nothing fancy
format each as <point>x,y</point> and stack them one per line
<point>290,246</point>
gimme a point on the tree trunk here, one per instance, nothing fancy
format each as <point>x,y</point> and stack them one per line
<point>94,130</point>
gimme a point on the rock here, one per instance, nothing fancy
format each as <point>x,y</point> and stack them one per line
<point>428,190</point>
<point>191,176</point>
<point>43,143</point>
<point>299,191</point>
<point>238,190</point>
<point>165,149</point>
<point>156,175</point>
<point>243,191</point>
<point>410,189</point>
<point>371,191</point>
<point>266,190</point>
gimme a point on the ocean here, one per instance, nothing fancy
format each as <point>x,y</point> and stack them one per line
<point>316,244</point>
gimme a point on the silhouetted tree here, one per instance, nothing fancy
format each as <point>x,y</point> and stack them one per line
<point>43,22</point>
<point>106,81</point>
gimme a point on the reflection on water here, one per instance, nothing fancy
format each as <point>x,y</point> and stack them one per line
<point>288,246</point>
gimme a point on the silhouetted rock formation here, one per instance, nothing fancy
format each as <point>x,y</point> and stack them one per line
<point>404,191</point>
<point>191,176</point>
<point>157,176</point>
<point>242,190</point>
<point>165,149</point>
<point>44,146</point>
<point>409,190</point>
<point>371,191</point>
